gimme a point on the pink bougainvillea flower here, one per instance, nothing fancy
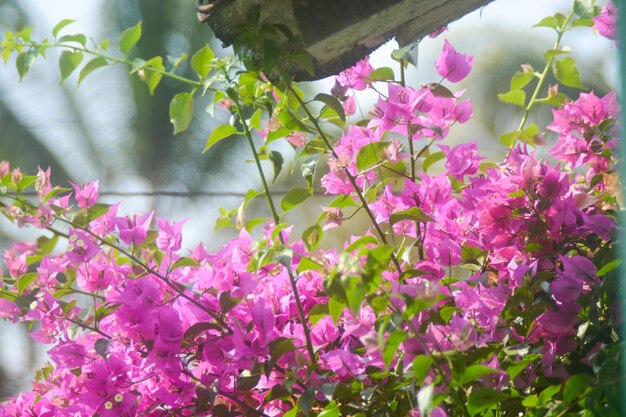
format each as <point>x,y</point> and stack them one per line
<point>170,235</point>
<point>87,195</point>
<point>453,65</point>
<point>462,160</point>
<point>606,22</point>
<point>357,76</point>
<point>134,230</point>
<point>297,139</point>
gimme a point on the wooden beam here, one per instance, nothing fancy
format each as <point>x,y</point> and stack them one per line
<point>338,33</point>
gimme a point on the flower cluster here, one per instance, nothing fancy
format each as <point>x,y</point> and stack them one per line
<point>478,285</point>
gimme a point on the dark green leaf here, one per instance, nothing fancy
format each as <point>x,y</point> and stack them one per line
<point>575,386</point>
<point>24,62</point>
<point>305,401</point>
<point>101,346</point>
<point>584,8</point>
<point>414,213</point>
<point>129,38</point>
<point>201,61</point>
<point>277,162</point>
<point>68,63</point>
<point>547,394</point>
<point>333,103</point>
<point>483,399</point>
<point>532,401</point>
<point>294,197</point>
<point>219,133</point>
<point>318,312</point>
<point>475,371</point>
<point>181,111</point>
<point>92,65</point>
<point>370,155</point>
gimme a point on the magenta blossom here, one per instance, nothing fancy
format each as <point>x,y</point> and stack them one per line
<point>357,76</point>
<point>606,22</point>
<point>87,195</point>
<point>453,65</point>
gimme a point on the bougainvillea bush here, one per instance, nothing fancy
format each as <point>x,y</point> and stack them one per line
<point>479,288</point>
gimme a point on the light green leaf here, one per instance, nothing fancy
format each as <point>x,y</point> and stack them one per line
<point>551,53</point>
<point>394,340</point>
<point>92,65</point>
<point>68,62</point>
<point>331,410</point>
<point>129,38</point>
<point>104,45</point>
<point>219,133</point>
<point>25,280</point>
<point>549,22</point>
<point>566,72</point>
<point>152,78</point>
<point>201,61</point>
<point>521,79</point>
<point>181,111</point>
<point>421,366</point>
<point>182,262</point>
<point>431,159</point>
<point>547,394</point>
<point>532,401</point>
<point>78,38</point>
<point>294,197</point>
<point>414,213</point>
<point>509,139</point>
<point>382,74</point>
<point>59,26</point>
<point>333,103</point>
<point>609,267</point>
<point>583,8</point>
<point>516,97</point>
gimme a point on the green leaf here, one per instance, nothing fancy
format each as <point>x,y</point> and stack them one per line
<point>360,242</point>
<point>583,23</point>
<point>483,399</point>
<point>318,312</point>
<point>92,65</point>
<point>609,267</point>
<point>551,53</point>
<point>583,8</point>
<point>394,340</point>
<point>475,371</point>
<point>219,133</point>
<point>516,97</point>
<point>549,22</point>
<point>555,100</point>
<point>24,62</point>
<point>201,61</point>
<point>68,62</point>
<point>532,401</point>
<point>566,72</point>
<point>104,45</point>
<point>547,394</point>
<point>25,280</point>
<point>305,401</point>
<point>294,197</point>
<point>521,79</point>
<point>181,111</point>
<point>312,237</point>
<point>129,38</point>
<point>425,399</point>
<point>370,155</point>
<point>47,244</point>
<point>382,74</point>
<point>509,139</point>
<point>414,213</point>
<point>78,38</point>
<point>331,410</point>
<point>515,369</point>
<point>575,386</point>
<point>307,264</point>
<point>277,162</point>
<point>255,120</point>
<point>333,103</point>
<point>101,346</point>
<point>59,26</point>
<point>432,159</point>
<point>308,170</point>
<point>182,262</point>
<point>421,366</point>
<point>149,71</point>
<point>278,347</point>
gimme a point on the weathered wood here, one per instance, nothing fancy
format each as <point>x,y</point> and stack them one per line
<point>337,33</point>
